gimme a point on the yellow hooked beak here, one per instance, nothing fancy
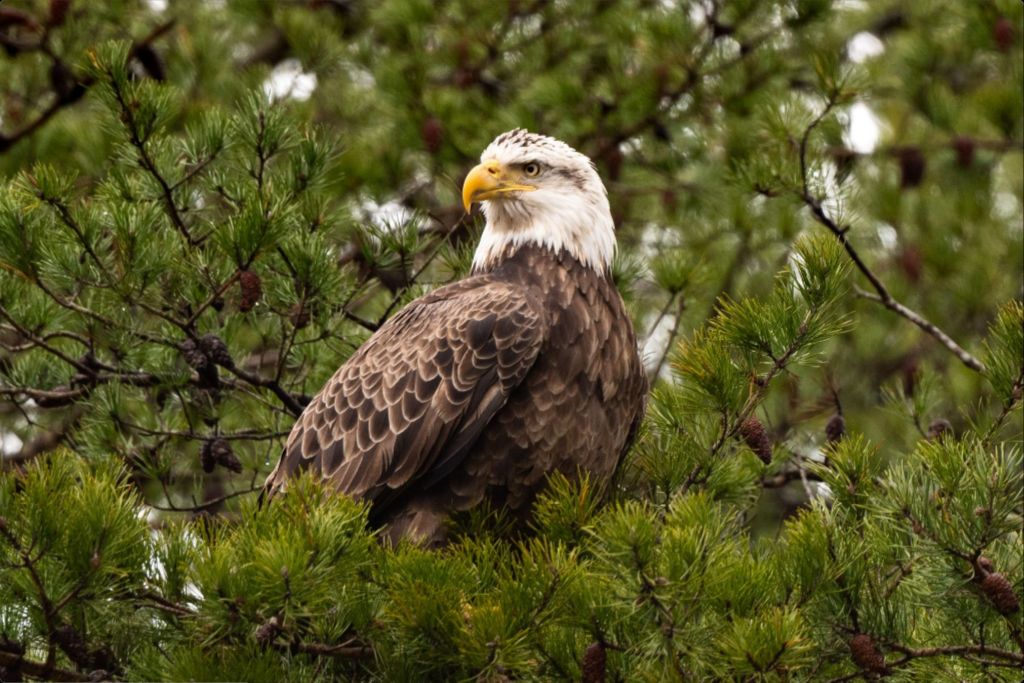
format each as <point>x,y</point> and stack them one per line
<point>489,180</point>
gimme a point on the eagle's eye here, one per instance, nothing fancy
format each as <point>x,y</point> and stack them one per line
<point>531,169</point>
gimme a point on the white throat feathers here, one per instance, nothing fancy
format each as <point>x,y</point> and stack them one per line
<point>567,209</point>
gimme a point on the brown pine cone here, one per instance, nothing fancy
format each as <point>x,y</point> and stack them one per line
<point>216,350</point>
<point>1000,593</point>
<point>71,642</point>
<point>865,654</point>
<point>756,437</point>
<point>268,631</point>
<point>224,455</point>
<point>432,134</point>
<point>59,11</point>
<point>10,16</point>
<point>594,664</point>
<point>964,147</point>
<point>251,287</point>
<point>206,457</point>
<point>835,428</point>
<point>194,355</point>
<point>150,60</point>
<point>1002,34</point>
<point>939,428</point>
<point>912,167</point>
<point>299,316</point>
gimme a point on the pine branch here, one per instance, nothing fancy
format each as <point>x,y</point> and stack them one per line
<point>344,650</point>
<point>1015,398</point>
<point>45,604</point>
<point>147,162</point>
<point>731,428</point>
<point>196,436</point>
<point>189,324</point>
<point>162,603</point>
<point>206,505</point>
<point>294,403</point>
<point>996,146</point>
<point>656,371</point>
<point>42,443</point>
<point>954,651</point>
<point>789,475</point>
<point>883,296</point>
<point>40,670</point>
<point>1003,658</point>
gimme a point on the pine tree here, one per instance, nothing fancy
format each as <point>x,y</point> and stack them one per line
<point>206,207</point>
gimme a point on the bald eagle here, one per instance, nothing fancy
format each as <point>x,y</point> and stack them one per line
<point>479,390</point>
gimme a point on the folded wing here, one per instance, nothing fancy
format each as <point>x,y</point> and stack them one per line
<point>412,401</point>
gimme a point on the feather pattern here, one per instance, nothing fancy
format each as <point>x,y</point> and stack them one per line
<point>410,402</point>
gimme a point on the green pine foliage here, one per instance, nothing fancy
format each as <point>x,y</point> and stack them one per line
<point>205,208</point>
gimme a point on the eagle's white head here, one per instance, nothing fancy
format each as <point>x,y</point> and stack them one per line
<point>539,190</point>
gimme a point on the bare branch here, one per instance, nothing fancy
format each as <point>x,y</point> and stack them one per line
<point>39,670</point>
<point>199,507</point>
<point>883,296</point>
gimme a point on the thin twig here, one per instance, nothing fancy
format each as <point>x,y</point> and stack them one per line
<point>673,333</point>
<point>162,603</point>
<point>199,507</point>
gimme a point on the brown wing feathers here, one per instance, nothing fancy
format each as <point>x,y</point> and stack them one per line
<point>411,402</point>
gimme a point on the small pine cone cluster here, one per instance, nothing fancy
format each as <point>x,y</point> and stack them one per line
<point>999,592</point>
<point>865,654</point>
<point>216,350</point>
<point>835,428</point>
<point>756,437</point>
<point>594,664</point>
<point>251,288</point>
<point>218,452</point>
<point>194,355</point>
<point>204,353</point>
<point>268,631</point>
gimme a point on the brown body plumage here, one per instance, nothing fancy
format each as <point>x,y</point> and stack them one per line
<point>477,391</point>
